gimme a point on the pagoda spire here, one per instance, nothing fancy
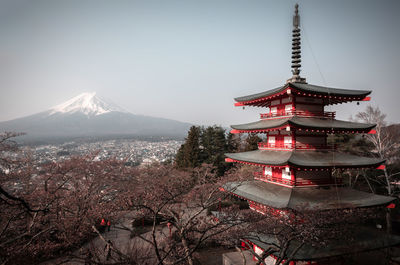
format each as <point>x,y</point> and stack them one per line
<point>296,49</point>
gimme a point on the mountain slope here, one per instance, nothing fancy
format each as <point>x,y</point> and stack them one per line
<point>89,115</point>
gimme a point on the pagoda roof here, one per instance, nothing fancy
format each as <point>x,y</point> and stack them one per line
<point>315,159</point>
<point>304,198</point>
<point>365,239</point>
<point>304,122</point>
<point>307,88</point>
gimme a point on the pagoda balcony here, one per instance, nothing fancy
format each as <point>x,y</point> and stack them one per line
<point>303,182</point>
<point>314,114</point>
<point>297,146</point>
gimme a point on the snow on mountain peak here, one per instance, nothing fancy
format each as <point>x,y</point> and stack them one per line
<point>86,103</point>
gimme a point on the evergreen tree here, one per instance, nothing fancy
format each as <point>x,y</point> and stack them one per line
<point>213,142</point>
<point>180,158</point>
<point>189,153</point>
<point>252,142</point>
<point>207,150</point>
<point>233,142</point>
<point>219,147</point>
<point>205,145</point>
<point>219,140</point>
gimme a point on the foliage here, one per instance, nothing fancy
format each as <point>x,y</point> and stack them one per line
<point>182,200</point>
<point>234,142</point>
<point>45,209</point>
<point>349,143</point>
<point>382,140</point>
<point>206,145</point>
<point>252,141</point>
<point>283,233</point>
<point>384,145</point>
<point>52,208</point>
<point>189,153</point>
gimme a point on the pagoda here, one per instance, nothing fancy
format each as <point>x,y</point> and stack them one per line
<point>295,160</point>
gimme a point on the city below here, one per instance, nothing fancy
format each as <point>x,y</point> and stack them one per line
<point>134,152</point>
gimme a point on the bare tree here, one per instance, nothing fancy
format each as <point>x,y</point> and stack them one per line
<point>383,140</point>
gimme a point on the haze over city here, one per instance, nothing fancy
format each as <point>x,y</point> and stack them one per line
<point>187,60</point>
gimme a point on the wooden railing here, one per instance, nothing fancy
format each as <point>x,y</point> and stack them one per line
<point>303,182</point>
<point>323,114</point>
<point>297,146</point>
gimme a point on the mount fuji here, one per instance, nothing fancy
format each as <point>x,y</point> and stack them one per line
<point>86,103</point>
<point>88,115</point>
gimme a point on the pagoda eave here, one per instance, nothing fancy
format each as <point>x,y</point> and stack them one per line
<point>291,128</point>
<point>305,168</point>
<point>303,160</point>
<point>309,124</point>
<point>329,95</point>
<point>304,198</point>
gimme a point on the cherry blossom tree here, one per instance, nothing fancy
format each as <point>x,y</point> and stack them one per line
<point>179,204</point>
<point>48,208</point>
<point>283,233</point>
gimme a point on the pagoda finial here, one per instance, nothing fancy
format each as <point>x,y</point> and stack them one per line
<point>296,49</point>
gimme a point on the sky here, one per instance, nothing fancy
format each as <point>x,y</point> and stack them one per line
<point>186,60</point>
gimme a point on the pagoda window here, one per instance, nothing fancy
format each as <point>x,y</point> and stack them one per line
<point>268,171</point>
<point>288,109</point>
<point>259,251</point>
<point>286,173</point>
<point>274,111</point>
<point>271,141</point>
<point>272,260</point>
<point>287,141</point>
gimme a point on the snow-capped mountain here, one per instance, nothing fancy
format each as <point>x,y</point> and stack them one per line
<point>86,103</point>
<point>88,115</point>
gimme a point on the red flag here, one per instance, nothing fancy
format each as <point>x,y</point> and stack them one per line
<point>382,167</point>
<point>391,206</point>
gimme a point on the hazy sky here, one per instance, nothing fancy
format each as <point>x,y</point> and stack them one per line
<point>187,60</point>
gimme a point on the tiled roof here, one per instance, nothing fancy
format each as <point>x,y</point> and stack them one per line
<point>305,122</point>
<point>308,88</point>
<point>305,198</point>
<point>307,159</point>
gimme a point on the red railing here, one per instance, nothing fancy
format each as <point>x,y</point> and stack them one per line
<point>267,146</point>
<point>324,114</point>
<point>265,209</point>
<point>303,182</point>
<point>264,145</point>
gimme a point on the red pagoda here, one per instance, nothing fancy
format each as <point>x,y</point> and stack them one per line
<point>295,160</point>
